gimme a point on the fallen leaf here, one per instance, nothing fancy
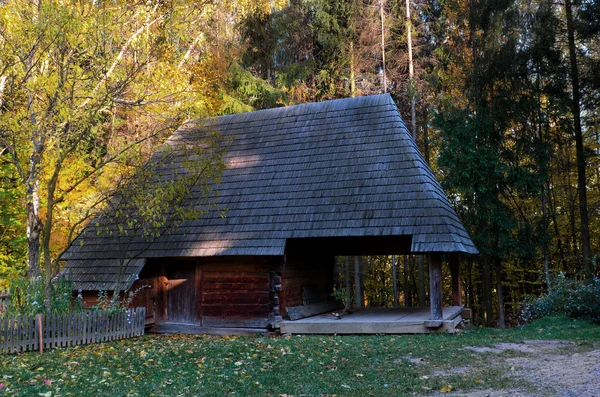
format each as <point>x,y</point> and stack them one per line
<point>143,354</point>
<point>47,382</point>
<point>446,389</point>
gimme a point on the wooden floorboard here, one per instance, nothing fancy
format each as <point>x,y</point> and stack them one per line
<point>375,321</point>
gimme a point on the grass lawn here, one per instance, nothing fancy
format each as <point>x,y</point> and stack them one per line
<point>293,366</point>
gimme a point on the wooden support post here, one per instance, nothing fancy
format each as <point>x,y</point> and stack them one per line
<point>456,284</point>
<point>395,278</point>
<point>357,290</point>
<point>435,285</point>
<point>40,334</point>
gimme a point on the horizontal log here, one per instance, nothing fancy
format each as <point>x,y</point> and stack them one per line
<point>210,298</point>
<point>303,311</point>
<point>195,329</point>
<point>223,286</point>
<point>215,277</point>
<point>238,260</point>
<point>229,267</point>
<point>209,321</point>
<point>244,311</point>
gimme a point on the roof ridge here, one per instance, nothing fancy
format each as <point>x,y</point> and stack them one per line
<point>377,100</point>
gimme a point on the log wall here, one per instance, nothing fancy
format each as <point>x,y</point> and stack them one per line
<point>305,270</point>
<point>228,291</point>
<point>235,293</point>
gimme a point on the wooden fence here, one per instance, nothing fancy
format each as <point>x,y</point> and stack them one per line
<point>22,333</point>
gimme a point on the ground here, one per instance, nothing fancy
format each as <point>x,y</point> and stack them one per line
<point>546,368</point>
<point>552,357</point>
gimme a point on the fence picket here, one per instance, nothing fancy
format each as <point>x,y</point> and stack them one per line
<point>34,333</point>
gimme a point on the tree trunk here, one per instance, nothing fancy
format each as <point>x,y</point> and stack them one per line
<point>544,172</point>
<point>498,266</point>
<point>559,243</point>
<point>395,279</point>
<point>352,76</point>
<point>573,224</point>
<point>579,147</point>
<point>34,228</point>
<point>381,15</point>
<point>357,282</point>
<point>411,73</point>
<point>470,295</point>
<point>487,291</point>
<point>421,266</point>
<point>426,150</point>
<point>454,265</point>
<point>347,281</point>
<point>406,281</point>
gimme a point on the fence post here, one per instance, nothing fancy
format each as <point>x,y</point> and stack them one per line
<point>40,332</point>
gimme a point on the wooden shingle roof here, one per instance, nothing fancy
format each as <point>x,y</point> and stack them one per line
<point>337,168</point>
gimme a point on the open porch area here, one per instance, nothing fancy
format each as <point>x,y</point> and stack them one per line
<point>378,320</point>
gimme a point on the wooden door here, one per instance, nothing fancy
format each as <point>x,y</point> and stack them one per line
<point>181,292</point>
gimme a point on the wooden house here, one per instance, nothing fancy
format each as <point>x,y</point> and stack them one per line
<point>303,185</point>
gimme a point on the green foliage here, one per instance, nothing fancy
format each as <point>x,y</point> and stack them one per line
<point>250,92</point>
<point>351,365</point>
<point>27,296</point>
<point>13,241</point>
<point>114,303</point>
<point>157,198</point>
<point>340,295</point>
<point>574,298</point>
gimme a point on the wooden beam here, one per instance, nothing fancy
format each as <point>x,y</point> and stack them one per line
<point>456,284</point>
<point>435,285</point>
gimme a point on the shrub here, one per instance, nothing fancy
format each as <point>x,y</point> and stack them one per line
<point>116,304</point>
<point>574,298</point>
<point>27,296</point>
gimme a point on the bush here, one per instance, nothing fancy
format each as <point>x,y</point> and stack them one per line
<point>574,298</point>
<point>115,304</point>
<point>27,297</point>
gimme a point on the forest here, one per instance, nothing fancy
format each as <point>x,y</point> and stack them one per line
<point>501,96</point>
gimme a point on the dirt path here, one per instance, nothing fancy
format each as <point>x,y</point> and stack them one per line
<point>552,368</point>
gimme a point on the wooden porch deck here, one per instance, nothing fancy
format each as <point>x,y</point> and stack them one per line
<point>406,320</point>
